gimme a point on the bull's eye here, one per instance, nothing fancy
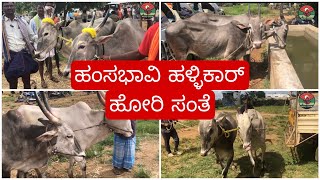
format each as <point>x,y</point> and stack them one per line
<point>46,34</point>
<point>81,47</point>
<point>69,136</point>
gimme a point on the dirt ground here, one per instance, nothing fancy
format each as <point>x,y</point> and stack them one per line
<point>101,167</point>
<point>64,83</point>
<point>147,155</point>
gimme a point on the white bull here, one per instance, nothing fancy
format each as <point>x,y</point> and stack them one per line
<point>252,133</point>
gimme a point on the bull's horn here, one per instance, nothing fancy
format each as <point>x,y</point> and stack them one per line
<point>259,13</point>
<point>249,9</point>
<point>103,22</point>
<point>46,112</point>
<point>101,96</point>
<point>281,13</point>
<point>93,18</point>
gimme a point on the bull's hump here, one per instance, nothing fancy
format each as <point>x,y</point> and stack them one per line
<point>31,114</point>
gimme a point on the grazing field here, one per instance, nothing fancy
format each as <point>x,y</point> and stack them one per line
<point>243,8</point>
<point>278,159</point>
<point>99,157</point>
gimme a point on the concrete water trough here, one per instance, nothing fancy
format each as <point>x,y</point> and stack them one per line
<point>295,67</point>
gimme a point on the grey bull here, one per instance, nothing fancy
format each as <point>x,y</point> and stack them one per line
<point>220,41</point>
<point>126,37</point>
<point>89,127</point>
<point>253,22</point>
<point>252,132</point>
<point>230,41</point>
<point>279,30</point>
<point>50,36</point>
<point>27,141</point>
<point>213,135</point>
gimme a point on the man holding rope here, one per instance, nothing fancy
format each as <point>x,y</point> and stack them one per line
<point>167,131</point>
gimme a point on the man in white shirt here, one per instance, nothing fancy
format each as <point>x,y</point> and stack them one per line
<point>17,47</point>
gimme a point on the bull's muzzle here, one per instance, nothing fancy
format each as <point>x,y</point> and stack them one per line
<point>282,46</point>
<point>257,45</point>
<point>81,154</point>
<point>203,152</point>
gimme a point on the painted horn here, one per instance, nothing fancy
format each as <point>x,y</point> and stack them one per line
<point>46,112</point>
<point>103,22</point>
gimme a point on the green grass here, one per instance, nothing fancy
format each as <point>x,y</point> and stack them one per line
<point>187,123</point>
<point>147,127</point>
<point>8,99</point>
<point>141,173</point>
<point>242,9</point>
<point>279,162</point>
<point>273,109</point>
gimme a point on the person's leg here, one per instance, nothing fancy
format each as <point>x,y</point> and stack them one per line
<point>52,78</point>
<point>166,138</point>
<point>57,58</point>
<point>129,155</point>
<point>46,72</point>
<point>175,137</point>
<point>13,83</point>
<point>118,154</point>
<point>26,81</point>
<point>41,67</point>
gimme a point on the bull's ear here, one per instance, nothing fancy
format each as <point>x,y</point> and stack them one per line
<point>269,21</point>
<point>103,39</point>
<point>44,122</point>
<point>47,136</point>
<point>241,26</point>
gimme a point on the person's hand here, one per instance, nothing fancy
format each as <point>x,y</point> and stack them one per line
<point>105,57</point>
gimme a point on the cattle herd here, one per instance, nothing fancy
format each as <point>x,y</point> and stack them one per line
<point>213,36</point>
<point>109,40</point>
<point>220,134</point>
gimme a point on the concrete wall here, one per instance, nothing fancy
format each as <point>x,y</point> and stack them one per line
<point>282,72</point>
<point>308,31</point>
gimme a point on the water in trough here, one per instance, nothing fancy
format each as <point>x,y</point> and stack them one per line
<point>303,54</point>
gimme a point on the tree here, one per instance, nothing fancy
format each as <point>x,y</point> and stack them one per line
<point>260,94</point>
<point>23,7</point>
